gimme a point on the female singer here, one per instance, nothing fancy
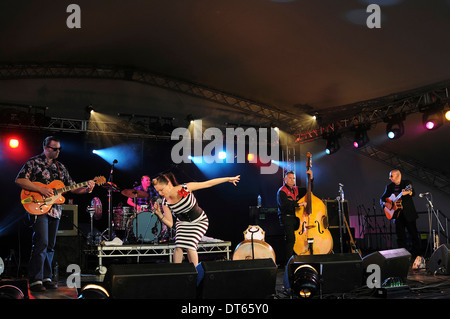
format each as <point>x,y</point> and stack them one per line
<point>191,221</point>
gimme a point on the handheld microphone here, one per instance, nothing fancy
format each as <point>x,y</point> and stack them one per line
<point>424,194</point>
<point>157,199</point>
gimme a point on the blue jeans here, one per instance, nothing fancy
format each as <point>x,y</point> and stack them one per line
<point>44,239</point>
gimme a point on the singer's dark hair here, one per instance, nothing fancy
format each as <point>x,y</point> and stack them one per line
<point>164,179</point>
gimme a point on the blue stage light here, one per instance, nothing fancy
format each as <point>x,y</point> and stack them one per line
<point>127,155</point>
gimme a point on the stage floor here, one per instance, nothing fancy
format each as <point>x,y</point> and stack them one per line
<point>422,285</point>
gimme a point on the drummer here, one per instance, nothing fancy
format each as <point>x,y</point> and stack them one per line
<point>143,203</point>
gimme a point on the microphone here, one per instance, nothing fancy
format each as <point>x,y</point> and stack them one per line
<point>424,194</point>
<point>158,200</point>
<point>112,167</point>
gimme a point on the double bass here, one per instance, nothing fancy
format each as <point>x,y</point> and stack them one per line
<point>312,237</point>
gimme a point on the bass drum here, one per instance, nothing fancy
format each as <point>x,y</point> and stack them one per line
<point>121,217</point>
<point>254,249</point>
<point>147,227</point>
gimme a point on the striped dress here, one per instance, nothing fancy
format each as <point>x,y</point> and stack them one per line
<point>187,233</point>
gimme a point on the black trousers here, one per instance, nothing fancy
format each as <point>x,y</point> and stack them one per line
<point>401,226</point>
<point>290,225</point>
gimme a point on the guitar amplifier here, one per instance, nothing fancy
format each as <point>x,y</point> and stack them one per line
<point>68,225</point>
<point>333,212</point>
<point>267,218</point>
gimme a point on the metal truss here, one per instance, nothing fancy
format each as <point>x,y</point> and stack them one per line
<point>342,118</point>
<point>409,166</point>
<point>331,119</point>
<point>20,116</point>
<point>286,120</point>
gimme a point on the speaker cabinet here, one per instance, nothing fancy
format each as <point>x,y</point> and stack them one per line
<point>333,212</point>
<point>338,272</point>
<point>267,219</point>
<point>67,251</point>
<point>439,261</point>
<point>393,262</point>
<point>152,281</point>
<point>69,221</point>
<point>237,279</point>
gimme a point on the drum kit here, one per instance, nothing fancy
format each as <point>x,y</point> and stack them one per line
<point>128,223</point>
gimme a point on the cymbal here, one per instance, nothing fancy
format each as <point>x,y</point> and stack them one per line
<point>134,193</point>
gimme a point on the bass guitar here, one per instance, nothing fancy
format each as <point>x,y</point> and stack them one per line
<point>396,204</point>
<point>36,204</point>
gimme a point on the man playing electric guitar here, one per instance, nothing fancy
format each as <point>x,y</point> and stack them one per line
<point>405,217</point>
<point>44,169</point>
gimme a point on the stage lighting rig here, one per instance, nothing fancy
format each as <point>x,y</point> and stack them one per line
<point>361,137</point>
<point>93,291</point>
<point>14,143</point>
<point>89,111</point>
<point>395,127</point>
<point>332,144</point>
<point>305,281</point>
<point>433,115</point>
<point>446,111</point>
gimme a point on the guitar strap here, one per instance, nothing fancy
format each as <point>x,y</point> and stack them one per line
<point>59,169</point>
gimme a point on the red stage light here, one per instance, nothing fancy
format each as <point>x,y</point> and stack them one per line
<point>250,157</point>
<point>14,143</point>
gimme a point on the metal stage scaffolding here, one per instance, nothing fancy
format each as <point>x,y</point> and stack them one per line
<point>152,250</point>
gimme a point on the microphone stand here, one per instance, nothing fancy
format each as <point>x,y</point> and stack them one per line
<point>340,200</point>
<point>430,208</point>
<point>110,180</point>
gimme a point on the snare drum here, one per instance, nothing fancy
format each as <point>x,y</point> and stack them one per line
<point>148,227</point>
<point>121,217</point>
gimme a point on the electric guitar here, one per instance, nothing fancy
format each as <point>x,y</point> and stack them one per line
<point>396,203</point>
<point>36,204</point>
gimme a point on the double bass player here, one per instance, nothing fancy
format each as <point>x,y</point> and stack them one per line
<point>288,197</point>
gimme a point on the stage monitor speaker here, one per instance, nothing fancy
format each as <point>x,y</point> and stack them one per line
<point>237,279</point>
<point>439,262</point>
<point>393,262</point>
<point>152,281</point>
<point>69,221</point>
<point>14,289</point>
<point>338,272</point>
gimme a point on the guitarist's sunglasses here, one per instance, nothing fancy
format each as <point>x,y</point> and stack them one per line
<point>55,148</point>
